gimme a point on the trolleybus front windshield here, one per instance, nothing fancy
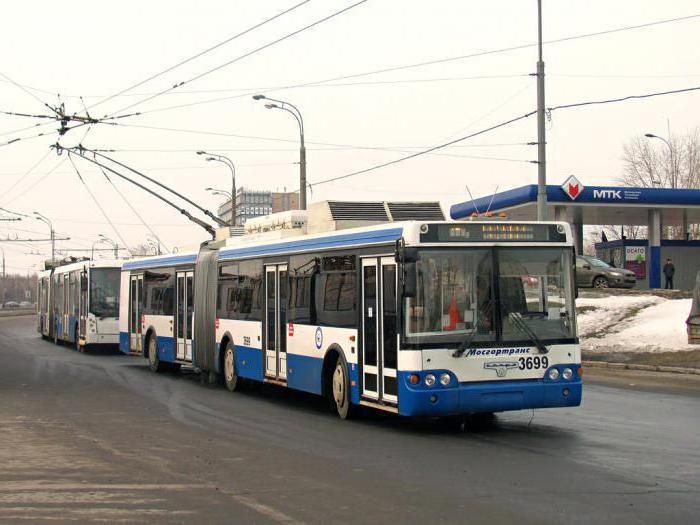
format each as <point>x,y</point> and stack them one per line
<point>459,292</point>
<point>104,292</point>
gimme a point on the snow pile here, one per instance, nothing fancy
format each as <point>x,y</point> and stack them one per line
<point>641,323</point>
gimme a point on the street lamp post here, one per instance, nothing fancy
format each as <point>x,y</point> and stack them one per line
<point>225,160</point>
<point>294,111</point>
<point>113,243</point>
<point>671,158</point>
<point>92,249</point>
<point>46,220</point>
<point>3,261</point>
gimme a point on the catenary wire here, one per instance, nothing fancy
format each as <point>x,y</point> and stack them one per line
<point>97,203</point>
<point>426,63</point>
<point>245,55</point>
<point>202,53</point>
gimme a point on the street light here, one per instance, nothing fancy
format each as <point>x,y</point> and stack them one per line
<point>92,249</point>
<point>294,111</point>
<point>113,243</point>
<point>213,157</point>
<point>46,220</point>
<point>670,150</point>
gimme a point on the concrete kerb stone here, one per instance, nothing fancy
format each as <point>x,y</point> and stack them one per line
<point>645,368</point>
<point>12,312</point>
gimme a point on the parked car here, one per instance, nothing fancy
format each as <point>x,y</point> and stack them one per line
<point>11,304</point>
<point>599,274</point>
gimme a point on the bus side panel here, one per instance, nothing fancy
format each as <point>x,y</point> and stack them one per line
<point>124,312</point>
<point>247,340</point>
<point>162,325</point>
<point>307,346</point>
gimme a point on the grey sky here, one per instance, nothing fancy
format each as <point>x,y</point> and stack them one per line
<point>94,49</point>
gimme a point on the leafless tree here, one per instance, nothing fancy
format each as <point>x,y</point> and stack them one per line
<point>650,162</point>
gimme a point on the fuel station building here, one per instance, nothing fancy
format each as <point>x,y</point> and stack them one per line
<point>612,205</point>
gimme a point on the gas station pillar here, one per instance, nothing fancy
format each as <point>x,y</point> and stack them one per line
<point>654,264</point>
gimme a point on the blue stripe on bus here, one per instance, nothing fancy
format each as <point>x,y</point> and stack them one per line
<point>249,362</point>
<point>304,373</point>
<point>319,243</point>
<point>301,244</point>
<point>124,342</point>
<point>166,348</point>
<point>171,260</point>
<point>488,396</point>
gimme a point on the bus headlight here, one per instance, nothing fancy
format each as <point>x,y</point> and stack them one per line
<point>445,379</point>
<point>567,373</point>
<point>553,374</point>
<point>429,380</point>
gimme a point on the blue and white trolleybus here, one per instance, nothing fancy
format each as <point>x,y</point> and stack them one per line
<point>419,318</point>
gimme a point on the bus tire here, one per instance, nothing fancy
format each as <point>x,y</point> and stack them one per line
<point>231,379</point>
<point>340,390</point>
<point>154,362</point>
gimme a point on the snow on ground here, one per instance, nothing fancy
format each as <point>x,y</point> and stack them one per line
<point>634,323</point>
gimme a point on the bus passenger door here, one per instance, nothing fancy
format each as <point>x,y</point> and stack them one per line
<point>275,324</point>
<point>66,307</point>
<point>185,311</point>
<point>135,312</point>
<point>379,329</point>
<point>83,306</point>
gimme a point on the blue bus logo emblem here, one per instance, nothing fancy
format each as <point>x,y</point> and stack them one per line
<point>319,338</point>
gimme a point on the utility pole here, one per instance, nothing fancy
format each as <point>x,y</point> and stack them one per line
<point>541,135</point>
<point>3,262</point>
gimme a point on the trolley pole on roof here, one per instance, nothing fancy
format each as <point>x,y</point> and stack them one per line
<point>541,135</point>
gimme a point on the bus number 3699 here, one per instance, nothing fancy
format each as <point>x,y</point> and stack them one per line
<point>531,363</point>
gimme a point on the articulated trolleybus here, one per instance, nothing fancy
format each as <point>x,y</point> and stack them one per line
<point>419,318</point>
<point>79,303</point>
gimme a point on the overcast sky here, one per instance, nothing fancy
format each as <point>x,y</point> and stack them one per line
<point>95,49</point>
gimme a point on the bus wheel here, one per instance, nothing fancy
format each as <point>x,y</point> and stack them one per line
<point>340,391</point>
<point>231,379</point>
<point>153,361</point>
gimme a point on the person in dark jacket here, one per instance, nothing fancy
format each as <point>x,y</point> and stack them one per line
<point>669,270</point>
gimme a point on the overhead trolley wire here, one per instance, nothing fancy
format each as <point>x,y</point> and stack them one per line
<point>201,53</point>
<point>97,203</point>
<point>390,69</point>
<point>500,125</point>
<point>26,174</point>
<point>20,86</point>
<point>132,208</point>
<point>241,57</point>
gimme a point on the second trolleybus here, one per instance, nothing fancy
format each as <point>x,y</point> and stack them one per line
<point>78,303</point>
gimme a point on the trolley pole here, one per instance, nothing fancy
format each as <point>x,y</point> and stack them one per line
<point>541,134</point>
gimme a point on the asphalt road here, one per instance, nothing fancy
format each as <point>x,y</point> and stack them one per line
<point>88,438</point>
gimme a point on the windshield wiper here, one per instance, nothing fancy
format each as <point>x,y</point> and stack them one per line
<point>465,345</point>
<point>517,319</point>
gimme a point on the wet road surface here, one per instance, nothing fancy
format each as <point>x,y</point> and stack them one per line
<point>99,438</point>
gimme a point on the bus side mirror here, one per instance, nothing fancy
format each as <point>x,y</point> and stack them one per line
<point>83,283</point>
<point>410,280</point>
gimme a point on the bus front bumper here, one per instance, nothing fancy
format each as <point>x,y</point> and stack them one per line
<point>490,396</point>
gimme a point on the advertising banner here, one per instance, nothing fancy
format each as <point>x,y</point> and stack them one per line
<point>636,260</point>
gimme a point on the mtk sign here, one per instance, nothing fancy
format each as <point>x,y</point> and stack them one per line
<point>572,187</point>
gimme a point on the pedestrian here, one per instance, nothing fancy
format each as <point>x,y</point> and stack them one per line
<point>669,270</point>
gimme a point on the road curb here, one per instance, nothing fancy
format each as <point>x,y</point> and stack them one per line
<point>645,368</point>
<point>16,313</point>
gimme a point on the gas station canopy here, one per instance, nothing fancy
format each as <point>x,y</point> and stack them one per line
<point>591,205</point>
